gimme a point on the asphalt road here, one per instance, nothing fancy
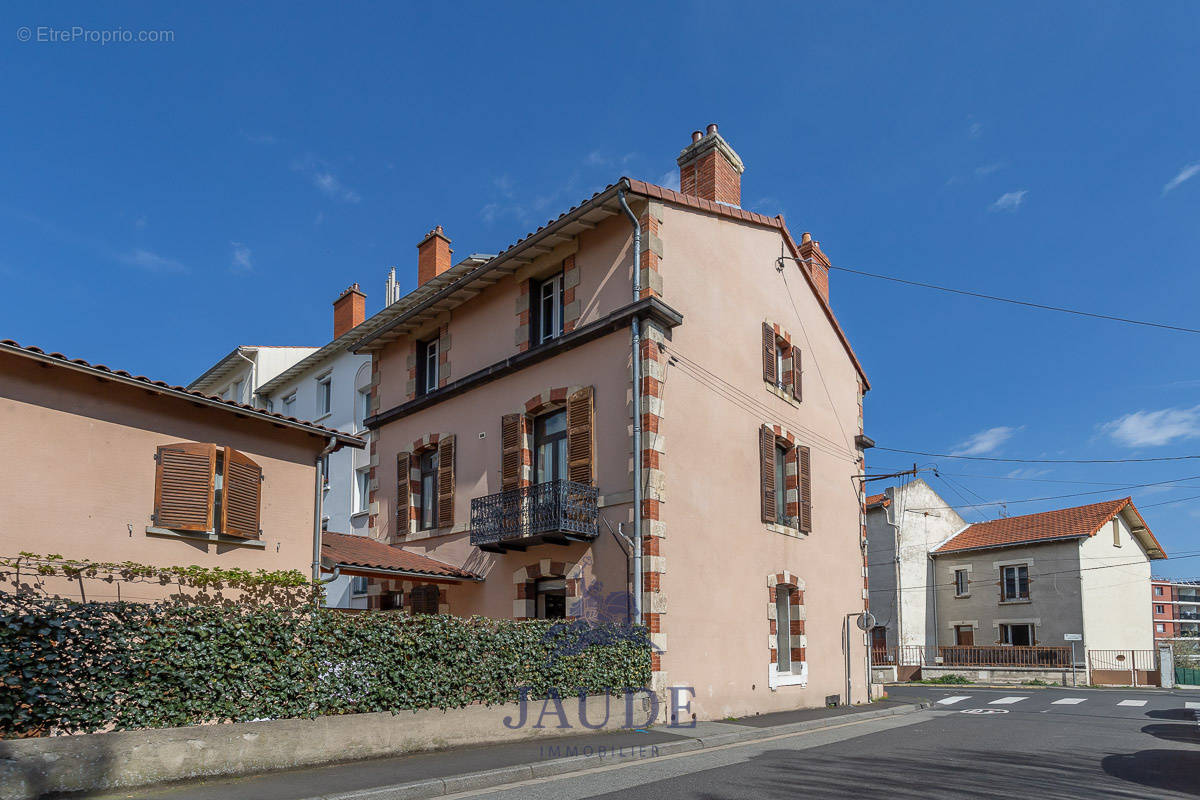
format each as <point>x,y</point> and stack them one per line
<point>1034,743</point>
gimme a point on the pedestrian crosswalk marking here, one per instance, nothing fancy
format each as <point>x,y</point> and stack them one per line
<point>949,701</point>
<point>1069,701</point>
<point>1136,703</point>
<point>1192,705</point>
<point>1005,701</point>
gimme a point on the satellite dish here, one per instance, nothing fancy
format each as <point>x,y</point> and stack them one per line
<point>865,621</point>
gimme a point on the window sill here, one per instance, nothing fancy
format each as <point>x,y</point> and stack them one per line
<point>775,527</point>
<point>357,514</point>
<point>216,538</point>
<point>782,394</point>
<point>798,676</point>
<point>1023,602</point>
<point>961,596</point>
<point>320,417</point>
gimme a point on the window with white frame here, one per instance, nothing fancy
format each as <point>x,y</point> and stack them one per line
<point>324,395</point>
<point>1014,582</point>
<point>1017,634</point>
<point>962,581</point>
<point>428,507</point>
<point>783,628</point>
<point>548,309</point>
<point>358,585</point>
<point>362,489</point>
<point>780,362</point>
<point>1159,628</point>
<point>325,471</point>
<point>289,405</point>
<point>427,366</point>
<point>362,407</point>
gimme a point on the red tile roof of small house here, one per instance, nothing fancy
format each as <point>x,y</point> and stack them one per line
<point>361,554</point>
<point>1047,526</point>
<point>878,501</point>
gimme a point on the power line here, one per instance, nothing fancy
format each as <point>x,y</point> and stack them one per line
<point>1040,460</point>
<point>1012,301</point>
<point>1061,496</point>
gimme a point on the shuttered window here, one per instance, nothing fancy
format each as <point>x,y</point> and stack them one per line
<point>201,487</point>
<point>797,374</point>
<point>768,354</point>
<point>805,470</point>
<point>775,459</point>
<point>445,478</point>
<point>766,458</point>
<point>512,427</point>
<point>403,495</point>
<point>581,439</point>
<point>424,599</point>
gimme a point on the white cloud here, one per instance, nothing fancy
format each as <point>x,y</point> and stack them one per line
<point>1010,201</point>
<point>151,262</point>
<point>323,178</point>
<point>243,260</point>
<point>1187,173</point>
<point>1153,428</point>
<point>984,442</point>
<point>983,170</point>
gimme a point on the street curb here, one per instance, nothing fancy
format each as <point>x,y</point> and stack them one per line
<point>438,787</point>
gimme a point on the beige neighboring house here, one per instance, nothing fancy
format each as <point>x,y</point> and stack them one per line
<point>108,466</point>
<point>555,470</point>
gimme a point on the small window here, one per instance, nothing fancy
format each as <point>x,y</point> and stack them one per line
<point>780,363</point>
<point>1014,583</point>
<point>270,406</point>
<point>1158,590</point>
<point>325,471</point>
<point>550,447</point>
<point>209,489</point>
<point>1158,609</point>
<point>363,408</point>
<point>324,395</point>
<point>425,599</point>
<point>358,585</point>
<point>1160,628</point>
<point>962,582</point>
<point>1116,528</point>
<point>781,456</point>
<point>362,489</point>
<point>783,628</point>
<point>551,598</point>
<point>428,507</point>
<point>289,405</point>
<point>427,366</point>
<point>546,304</point>
<point>1017,635</point>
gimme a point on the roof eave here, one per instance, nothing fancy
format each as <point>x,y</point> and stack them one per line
<point>1005,545</point>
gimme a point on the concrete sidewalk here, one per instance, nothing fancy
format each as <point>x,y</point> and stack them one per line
<point>433,774</point>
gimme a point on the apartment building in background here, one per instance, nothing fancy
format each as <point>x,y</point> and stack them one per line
<point>1176,608</point>
<point>506,442</point>
<point>116,467</point>
<point>239,374</point>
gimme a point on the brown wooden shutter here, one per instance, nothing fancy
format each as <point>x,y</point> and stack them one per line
<point>445,481</point>
<point>403,493</point>
<point>766,471</point>
<point>510,450</point>
<point>805,470</point>
<point>424,599</point>
<point>183,486</point>
<point>797,375</point>
<point>768,353</point>
<point>242,496</point>
<point>581,439</point>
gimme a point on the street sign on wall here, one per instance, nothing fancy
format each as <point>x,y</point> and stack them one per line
<point>1072,637</point>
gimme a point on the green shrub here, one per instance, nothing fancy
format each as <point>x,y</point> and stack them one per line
<point>81,667</point>
<point>947,679</point>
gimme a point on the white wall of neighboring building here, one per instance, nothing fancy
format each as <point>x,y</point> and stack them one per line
<point>349,375</point>
<point>1116,614</point>
<point>250,370</point>
<point>899,540</point>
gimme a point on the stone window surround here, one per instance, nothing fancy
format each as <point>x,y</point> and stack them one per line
<point>792,487</point>
<point>427,442</point>
<point>549,400</point>
<point>572,309</point>
<point>442,329</point>
<point>525,580</point>
<point>796,677</point>
<point>783,336</point>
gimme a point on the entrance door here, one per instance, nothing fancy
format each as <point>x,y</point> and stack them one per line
<point>879,638</point>
<point>964,635</point>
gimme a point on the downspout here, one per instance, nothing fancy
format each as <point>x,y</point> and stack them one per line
<point>253,369</point>
<point>319,509</point>
<point>636,346</point>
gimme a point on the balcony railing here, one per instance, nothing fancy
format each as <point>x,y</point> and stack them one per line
<point>555,512</point>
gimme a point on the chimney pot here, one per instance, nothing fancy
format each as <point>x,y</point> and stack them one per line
<point>349,310</point>
<point>697,136</point>
<point>712,127</point>
<point>805,238</point>
<point>433,255</point>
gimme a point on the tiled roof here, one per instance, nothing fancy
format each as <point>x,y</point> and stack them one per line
<point>369,554</point>
<point>878,501</point>
<point>29,351</point>
<point>1063,523</point>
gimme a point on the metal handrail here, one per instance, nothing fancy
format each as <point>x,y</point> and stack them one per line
<point>561,506</point>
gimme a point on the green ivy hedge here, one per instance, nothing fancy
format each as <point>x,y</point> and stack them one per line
<point>82,667</point>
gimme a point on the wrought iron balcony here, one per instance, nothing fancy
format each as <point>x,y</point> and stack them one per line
<point>556,512</point>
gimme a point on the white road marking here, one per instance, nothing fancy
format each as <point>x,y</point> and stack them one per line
<point>1007,701</point>
<point>1069,701</point>
<point>1192,705</point>
<point>1135,703</point>
<point>958,698</point>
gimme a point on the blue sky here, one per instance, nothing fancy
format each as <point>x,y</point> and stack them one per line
<point>165,202</point>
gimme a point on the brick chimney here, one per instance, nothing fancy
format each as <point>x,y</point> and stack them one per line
<point>817,265</point>
<point>433,255</point>
<point>708,168</point>
<point>349,310</point>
